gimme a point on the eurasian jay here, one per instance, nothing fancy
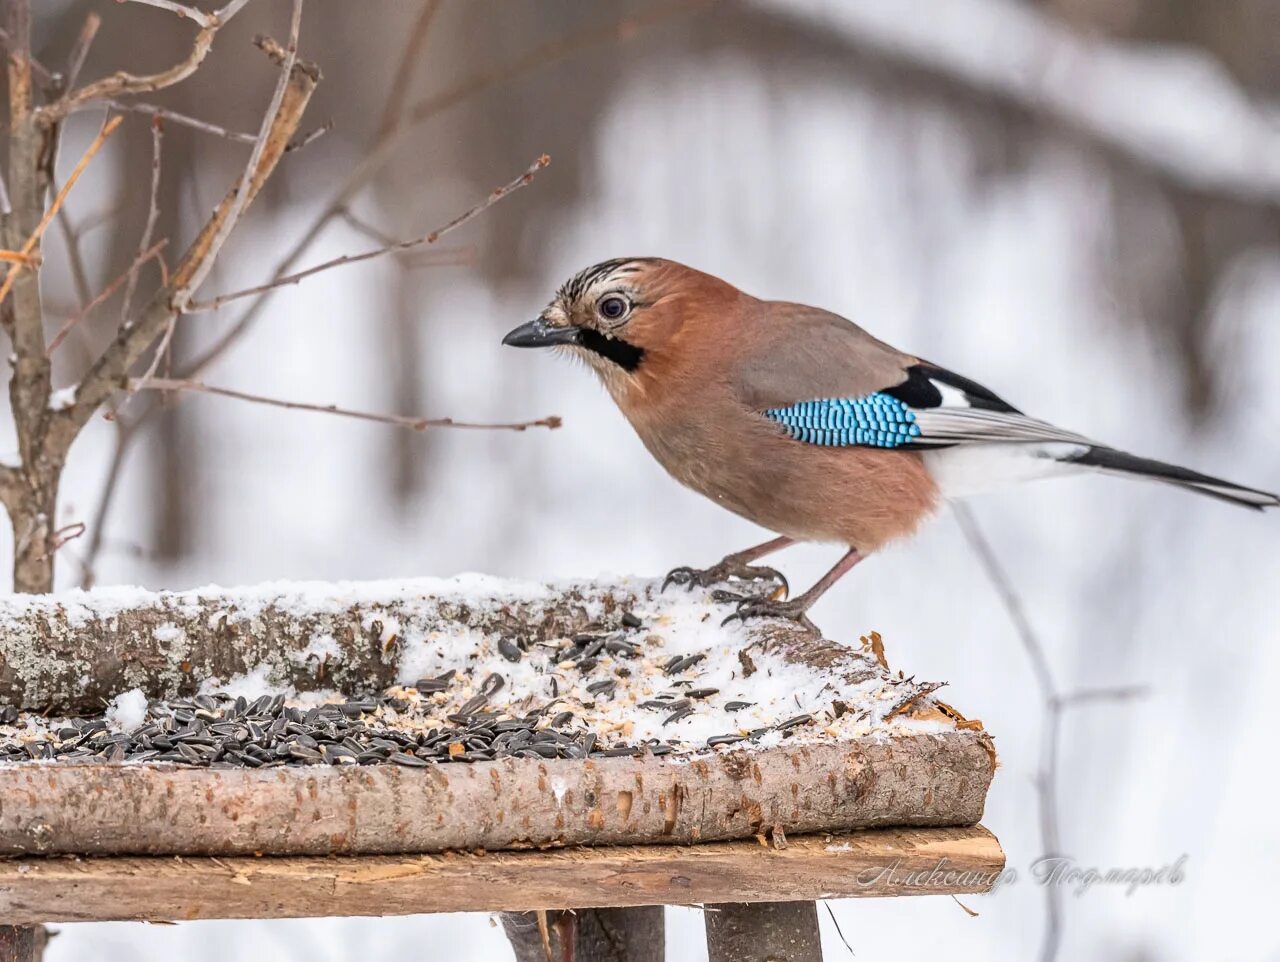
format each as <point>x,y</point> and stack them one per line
<point>802,422</point>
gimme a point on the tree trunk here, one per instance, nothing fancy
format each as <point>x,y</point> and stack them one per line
<point>588,935</point>
<point>34,519</point>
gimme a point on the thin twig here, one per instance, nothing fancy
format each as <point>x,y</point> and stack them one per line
<point>162,348</point>
<point>393,112</point>
<point>494,196</point>
<point>75,256</point>
<point>134,339</point>
<point>125,432</point>
<point>122,83</point>
<point>356,222</point>
<point>175,117</point>
<point>153,215</point>
<point>1086,695</point>
<point>309,138</point>
<point>106,293</point>
<point>80,52</point>
<point>68,533</point>
<point>380,151</point>
<point>183,295</point>
<point>547,53</point>
<point>1055,702</point>
<point>836,923</point>
<point>182,10</point>
<point>402,421</point>
<point>47,77</point>
<point>107,130</point>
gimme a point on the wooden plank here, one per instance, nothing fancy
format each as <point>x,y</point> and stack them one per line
<point>99,809</point>
<point>636,934</point>
<point>763,932</point>
<point>885,862</point>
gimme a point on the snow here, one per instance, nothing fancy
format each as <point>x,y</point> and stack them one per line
<point>127,710</point>
<point>250,685</point>
<point>675,623</point>
<point>62,398</point>
<point>850,697</point>
<point>292,597</point>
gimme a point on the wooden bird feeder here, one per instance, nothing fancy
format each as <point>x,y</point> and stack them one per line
<point>470,745</point>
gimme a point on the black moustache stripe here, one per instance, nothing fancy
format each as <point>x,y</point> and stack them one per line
<point>626,356</point>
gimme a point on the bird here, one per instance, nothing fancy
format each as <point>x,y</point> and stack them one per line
<point>802,422</point>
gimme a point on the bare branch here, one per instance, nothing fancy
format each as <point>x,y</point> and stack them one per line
<point>34,240</point>
<point>175,117</point>
<point>162,349</point>
<point>75,258</point>
<point>412,423</point>
<point>310,138</point>
<point>240,196</point>
<point>125,433</point>
<point>548,53</point>
<point>1055,703</point>
<point>393,112</point>
<point>135,338</point>
<point>106,293</point>
<point>378,154</point>
<point>153,215</point>
<point>494,196</point>
<point>182,10</point>
<point>43,74</point>
<point>122,82</point>
<point>1046,779</point>
<point>79,52</point>
<point>358,223</point>
<point>1089,695</point>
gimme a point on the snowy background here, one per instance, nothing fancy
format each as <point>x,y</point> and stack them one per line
<point>1071,202</point>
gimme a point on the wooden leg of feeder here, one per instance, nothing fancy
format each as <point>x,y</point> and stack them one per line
<point>22,943</point>
<point>588,935</point>
<point>763,932</point>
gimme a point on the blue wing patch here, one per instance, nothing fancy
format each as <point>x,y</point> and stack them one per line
<point>877,420</point>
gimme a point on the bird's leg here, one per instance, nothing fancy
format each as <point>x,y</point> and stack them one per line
<point>737,565</point>
<point>797,608</point>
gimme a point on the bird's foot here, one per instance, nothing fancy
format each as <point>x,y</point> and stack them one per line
<point>794,610</point>
<point>728,570</point>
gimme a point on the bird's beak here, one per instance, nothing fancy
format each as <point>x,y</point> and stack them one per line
<point>538,333</point>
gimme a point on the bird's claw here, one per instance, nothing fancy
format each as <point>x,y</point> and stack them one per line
<point>723,573</point>
<point>794,610</point>
<point>683,575</point>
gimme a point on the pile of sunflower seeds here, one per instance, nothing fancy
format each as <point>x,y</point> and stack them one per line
<point>221,731</point>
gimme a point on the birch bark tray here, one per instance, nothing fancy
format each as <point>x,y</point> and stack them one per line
<point>425,716</point>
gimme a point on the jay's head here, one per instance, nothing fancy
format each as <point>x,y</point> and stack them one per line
<point>623,317</point>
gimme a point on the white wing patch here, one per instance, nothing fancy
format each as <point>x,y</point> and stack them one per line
<point>970,469</point>
<point>956,421</point>
<point>978,450</point>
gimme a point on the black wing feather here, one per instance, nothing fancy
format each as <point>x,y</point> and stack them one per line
<point>920,392</point>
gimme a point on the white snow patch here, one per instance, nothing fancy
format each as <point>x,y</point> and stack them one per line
<point>251,685</point>
<point>168,633</point>
<point>128,710</point>
<point>62,398</point>
<point>322,647</point>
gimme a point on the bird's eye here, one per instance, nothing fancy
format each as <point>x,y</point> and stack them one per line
<point>613,307</point>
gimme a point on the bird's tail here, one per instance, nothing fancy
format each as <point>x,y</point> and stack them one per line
<point>1117,462</point>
